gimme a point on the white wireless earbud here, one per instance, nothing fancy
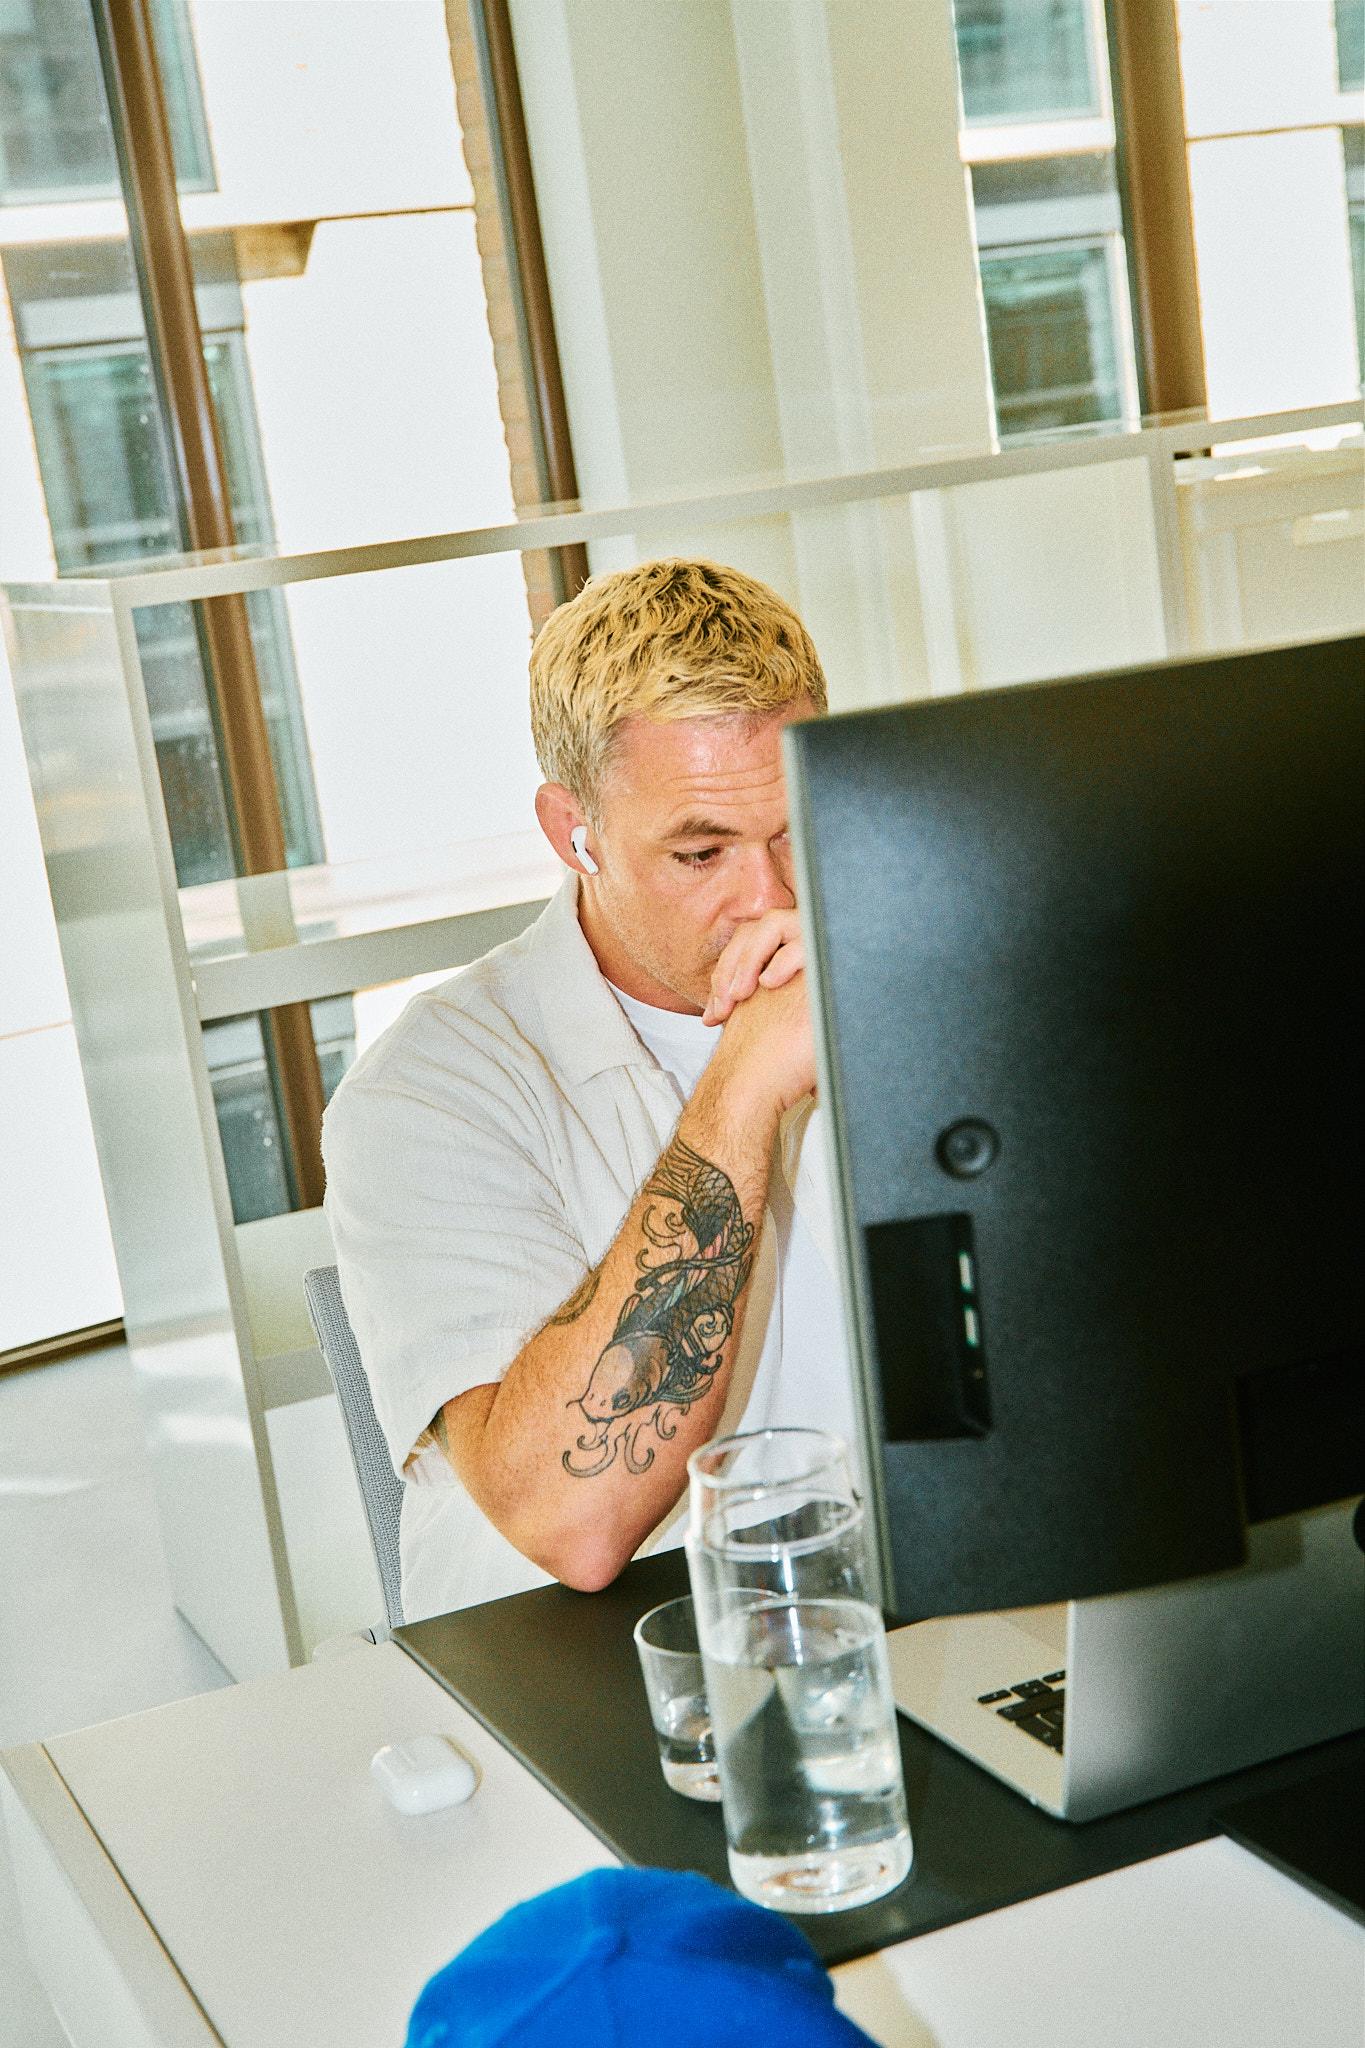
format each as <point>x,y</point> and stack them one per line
<point>578,840</point>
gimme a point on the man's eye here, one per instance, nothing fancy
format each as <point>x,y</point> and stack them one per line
<point>698,860</point>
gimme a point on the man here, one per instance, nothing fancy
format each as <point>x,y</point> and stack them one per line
<point>561,1186</point>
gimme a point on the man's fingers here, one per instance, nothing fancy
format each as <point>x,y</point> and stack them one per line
<point>720,1006</point>
<point>785,964</point>
<point>750,949</point>
<point>735,976</point>
<point>753,949</point>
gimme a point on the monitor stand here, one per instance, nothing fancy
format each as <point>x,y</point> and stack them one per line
<point>1161,1688</point>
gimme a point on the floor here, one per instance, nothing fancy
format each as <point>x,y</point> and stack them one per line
<point>87,1627</point>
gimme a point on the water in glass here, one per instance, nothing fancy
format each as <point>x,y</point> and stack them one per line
<point>809,1760</point>
<point>687,1748</point>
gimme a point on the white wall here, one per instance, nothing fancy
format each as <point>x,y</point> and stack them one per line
<point>637,140</point>
<point>870,292</point>
<point>374,382</point>
<point>1274,270</point>
<point>761,258</point>
<point>1263,111</point>
<point>317,109</point>
<point>415,691</point>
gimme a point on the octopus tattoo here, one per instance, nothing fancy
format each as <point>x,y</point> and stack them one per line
<point>670,1334</point>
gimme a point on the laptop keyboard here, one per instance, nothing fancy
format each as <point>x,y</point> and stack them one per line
<point>1035,1705</point>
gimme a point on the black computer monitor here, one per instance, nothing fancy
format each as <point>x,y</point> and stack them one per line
<point>1086,965</point>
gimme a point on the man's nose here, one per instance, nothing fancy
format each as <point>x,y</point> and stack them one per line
<point>767,885</point>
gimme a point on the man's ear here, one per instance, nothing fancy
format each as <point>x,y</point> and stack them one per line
<point>561,817</point>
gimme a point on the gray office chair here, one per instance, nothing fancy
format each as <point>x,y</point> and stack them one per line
<point>380,1491</point>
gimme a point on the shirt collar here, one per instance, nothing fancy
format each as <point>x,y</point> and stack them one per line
<point>585,1030</point>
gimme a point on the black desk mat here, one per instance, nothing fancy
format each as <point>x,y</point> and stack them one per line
<point>1313,1832</point>
<point>554,1676</point>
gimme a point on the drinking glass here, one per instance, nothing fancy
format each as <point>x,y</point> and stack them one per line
<point>666,1639</point>
<point>796,1672</point>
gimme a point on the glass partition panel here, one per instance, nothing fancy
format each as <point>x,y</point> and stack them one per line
<point>758,238</point>
<point>412,684</point>
<point>1349,22</point>
<point>1273,540</point>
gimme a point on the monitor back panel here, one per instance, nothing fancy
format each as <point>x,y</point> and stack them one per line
<point>1088,989</point>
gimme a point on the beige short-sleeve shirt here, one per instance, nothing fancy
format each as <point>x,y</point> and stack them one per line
<point>481,1156</point>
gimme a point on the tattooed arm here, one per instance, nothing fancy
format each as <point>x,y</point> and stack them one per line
<point>582,1448</point>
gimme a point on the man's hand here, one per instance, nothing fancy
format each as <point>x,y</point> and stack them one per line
<point>765,1061</point>
<point>758,991</point>
<point>765,954</point>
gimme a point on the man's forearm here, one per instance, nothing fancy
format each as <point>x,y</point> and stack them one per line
<point>582,1448</point>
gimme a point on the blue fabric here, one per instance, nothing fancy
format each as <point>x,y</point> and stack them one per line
<point>621,1957</point>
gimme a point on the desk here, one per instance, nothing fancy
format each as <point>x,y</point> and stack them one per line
<point>553,1674</point>
<point>222,1873</point>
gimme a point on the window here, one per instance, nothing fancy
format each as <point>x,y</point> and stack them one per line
<point>1038,140</point>
<point>1050,244</point>
<point>1353,152</point>
<point>1050,327</point>
<point>1350,26</point>
<point>108,486</point>
<point>244,1096</point>
<point>109,490</point>
<point>54,133</point>
<point>1025,60</point>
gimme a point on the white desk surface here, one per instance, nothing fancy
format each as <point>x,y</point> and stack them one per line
<point>297,1908</point>
<point>1201,1948</point>
<point>296,1904</point>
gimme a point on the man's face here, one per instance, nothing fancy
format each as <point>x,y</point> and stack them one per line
<point>691,841</point>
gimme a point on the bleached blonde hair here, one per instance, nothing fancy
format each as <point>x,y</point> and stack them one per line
<point>666,640</point>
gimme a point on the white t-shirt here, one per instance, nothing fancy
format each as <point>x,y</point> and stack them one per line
<point>480,1158</point>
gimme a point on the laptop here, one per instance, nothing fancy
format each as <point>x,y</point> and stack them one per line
<point>1093,1705</point>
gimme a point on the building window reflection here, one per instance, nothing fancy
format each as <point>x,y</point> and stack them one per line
<point>1353,155</point>
<point>1350,27</point>
<point>109,490</point>
<point>1051,248</point>
<point>1025,60</point>
<point>250,1125</point>
<point>1038,142</point>
<point>54,132</point>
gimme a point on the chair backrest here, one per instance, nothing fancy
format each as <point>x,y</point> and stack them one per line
<point>381,1490</point>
